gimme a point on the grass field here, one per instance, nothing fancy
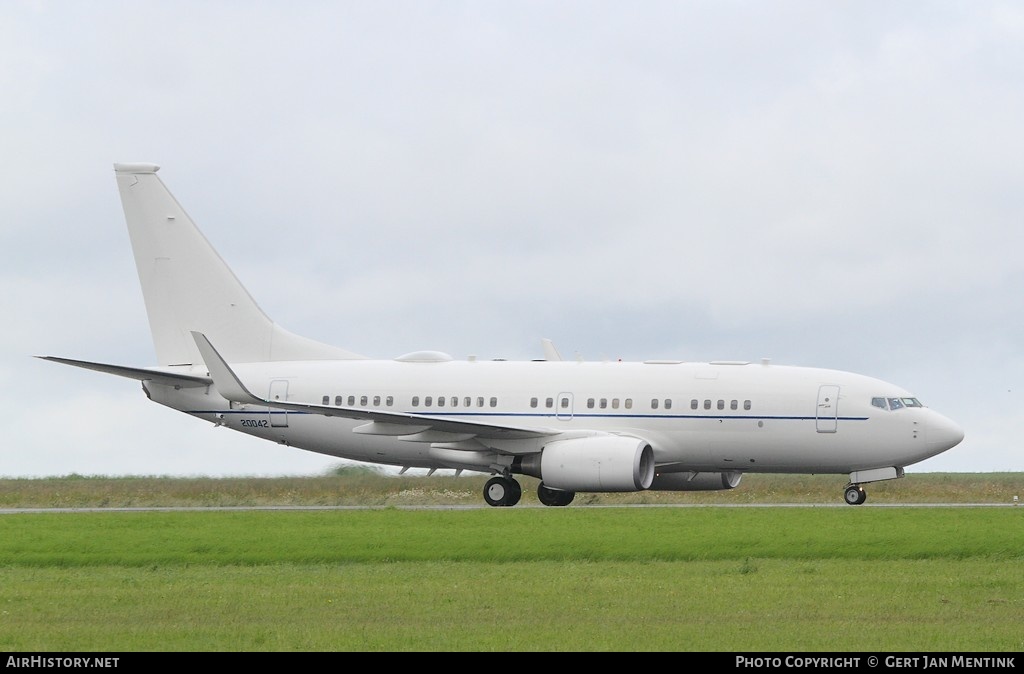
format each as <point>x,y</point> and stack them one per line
<point>364,486</point>
<point>804,579</point>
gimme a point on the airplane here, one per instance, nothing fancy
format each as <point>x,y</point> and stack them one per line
<point>577,426</point>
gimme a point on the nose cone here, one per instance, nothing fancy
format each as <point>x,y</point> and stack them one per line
<point>943,434</point>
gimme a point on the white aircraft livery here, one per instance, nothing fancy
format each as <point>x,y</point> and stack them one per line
<point>576,426</point>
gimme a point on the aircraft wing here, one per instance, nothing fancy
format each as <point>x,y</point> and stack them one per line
<point>142,374</point>
<point>425,426</point>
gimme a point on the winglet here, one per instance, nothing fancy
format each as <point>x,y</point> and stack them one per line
<point>225,380</point>
<point>550,352</point>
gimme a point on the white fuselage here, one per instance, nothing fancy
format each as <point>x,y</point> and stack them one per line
<point>578,426</point>
<point>696,416</point>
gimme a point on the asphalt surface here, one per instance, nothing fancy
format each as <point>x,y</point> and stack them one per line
<point>21,511</point>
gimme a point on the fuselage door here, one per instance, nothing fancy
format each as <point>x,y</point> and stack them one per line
<point>563,406</point>
<point>278,391</point>
<point>827,418</point>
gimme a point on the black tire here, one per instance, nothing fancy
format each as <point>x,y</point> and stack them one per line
<point>554,497</point>
<point>496,491</point>
<point>855,495</point>
<point>502,492</point>
<point>515,492</point>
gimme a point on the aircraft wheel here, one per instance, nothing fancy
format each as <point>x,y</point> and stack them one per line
<point>514,494</point>
<point>855,494</point>
<point>502,491</point>
<point>554,497</point>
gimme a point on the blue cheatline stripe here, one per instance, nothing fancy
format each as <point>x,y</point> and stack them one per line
<point>536,415</point>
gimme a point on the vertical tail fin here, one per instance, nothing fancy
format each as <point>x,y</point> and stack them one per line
<point>188,287</point>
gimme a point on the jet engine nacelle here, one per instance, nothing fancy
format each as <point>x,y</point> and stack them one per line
<point>595,464</point>
<point>690,481</point>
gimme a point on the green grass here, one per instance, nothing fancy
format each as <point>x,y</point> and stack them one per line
<point>505,579</point>
<point>364,486</point>
<point>499,535</point>
<point>822,605</point>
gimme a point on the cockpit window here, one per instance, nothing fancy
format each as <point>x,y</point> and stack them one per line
<point>895,403</point>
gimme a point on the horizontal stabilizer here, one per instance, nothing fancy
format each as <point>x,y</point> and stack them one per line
<point>140,373</point>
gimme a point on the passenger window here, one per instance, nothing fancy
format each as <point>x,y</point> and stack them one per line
<point>389,401</point>
<point>668,403</point>
<point>590,403</point>
<point>339,401</point>
<point>746,404</point>
<point>455,401</point>
<point>415,401</point>
<point>721,404</point>
<point>615,403</point>
<point>351,401</point>
<point>654,403</point>
<point>533,402</point>
<point>707,404</point>
<point>629,403</point>
<point>564,402</point>
<point>327,400</point>
<point>694,404</point>
<point>734,405</point>
<point>604,403</point>
<point>467,402</point>
<point>428,401</point>
<point>549,403</point>
<point>480,401</point>
<point>362,400</point>
<point>494,402</point>
<point>376,401</point>
<point>440,401</point>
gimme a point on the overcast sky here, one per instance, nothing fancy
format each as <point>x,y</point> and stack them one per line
<point>833,184</point>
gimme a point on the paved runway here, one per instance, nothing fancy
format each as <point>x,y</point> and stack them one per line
<point>20,511</point>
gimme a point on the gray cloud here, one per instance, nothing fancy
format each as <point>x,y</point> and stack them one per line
<point>831,184</point>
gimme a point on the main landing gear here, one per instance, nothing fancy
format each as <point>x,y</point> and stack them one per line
<point>501,491</point>
<point>855,494</point>
<point>554,497</point>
